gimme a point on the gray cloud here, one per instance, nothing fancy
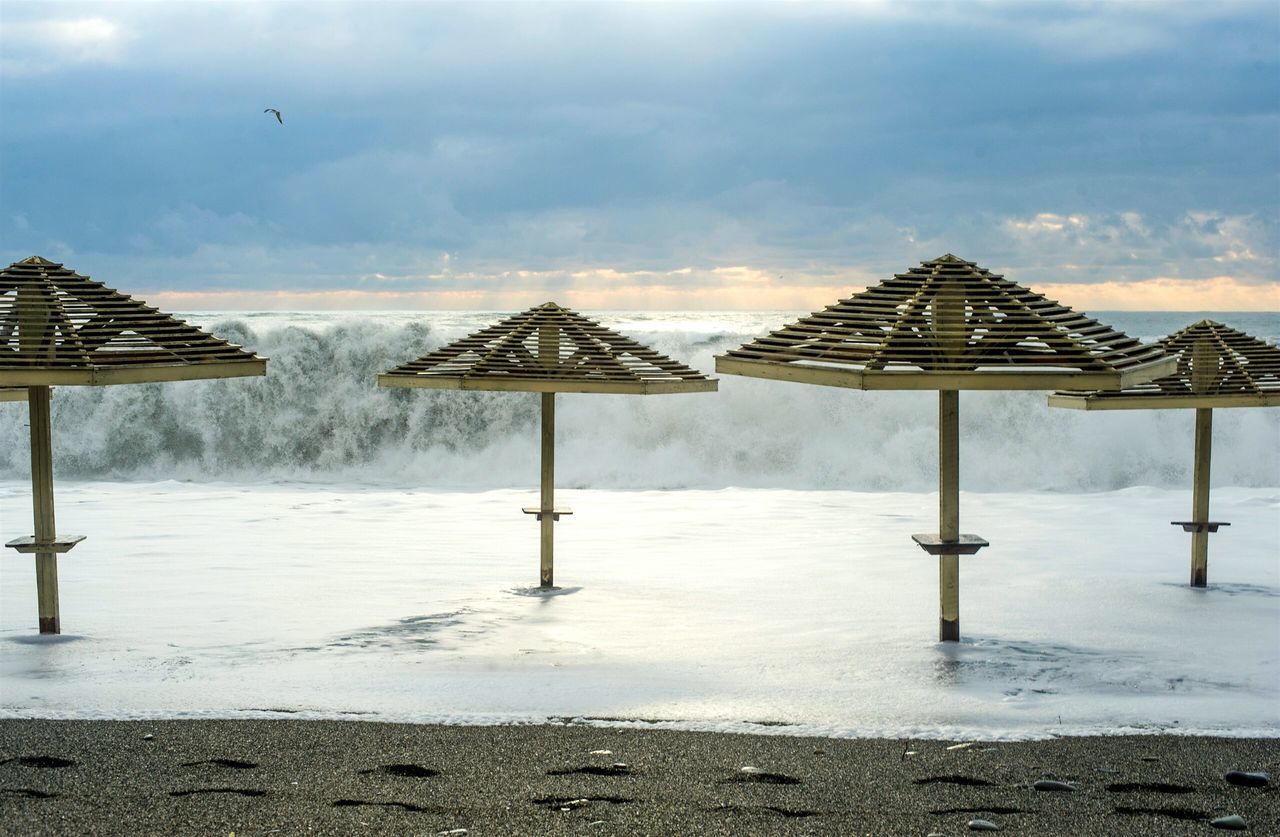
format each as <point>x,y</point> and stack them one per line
<point>801,140</point>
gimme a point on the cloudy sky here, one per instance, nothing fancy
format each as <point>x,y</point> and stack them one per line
<point>661,155</point>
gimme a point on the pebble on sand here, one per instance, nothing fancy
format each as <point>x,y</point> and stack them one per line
<point>983,825</point>
<point>1247,779</point>
<point>1054,785</point>
<point>1234,822</point>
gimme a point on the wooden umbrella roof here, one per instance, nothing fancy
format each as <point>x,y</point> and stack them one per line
<point>1217,366</point>
<point>948,324</point>
<point>549,349</point>
<point>58,327</point>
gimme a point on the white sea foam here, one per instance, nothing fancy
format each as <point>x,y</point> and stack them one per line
<point>746,610</point>
<point>319,416</point>
<point>307,545</point>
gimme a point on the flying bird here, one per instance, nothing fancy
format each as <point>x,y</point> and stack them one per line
<point>277,113</point>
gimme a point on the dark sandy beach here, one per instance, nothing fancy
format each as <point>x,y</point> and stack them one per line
<point>293,777</point>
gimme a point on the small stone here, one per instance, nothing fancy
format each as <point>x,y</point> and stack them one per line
<point>966,745</point>
<point>601,752</point>
<point>1151,758</point>
<point>1248,780</point>
<point>1054,785</point>
<point>983,825</point>
<point>1234,822</point>
<point>148,737</point>
<point>750,769</point>
<point>455,832</point>
<point>619,765</point>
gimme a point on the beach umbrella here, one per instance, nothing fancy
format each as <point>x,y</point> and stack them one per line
<point>549,349</point>
<point>58,328</point>
<point>1217,366</point>
<point>948,325</point>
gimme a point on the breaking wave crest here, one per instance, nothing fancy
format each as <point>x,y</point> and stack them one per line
<point>319,415</point>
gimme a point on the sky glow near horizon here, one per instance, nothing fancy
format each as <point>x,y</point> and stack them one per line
<point>714,155</point>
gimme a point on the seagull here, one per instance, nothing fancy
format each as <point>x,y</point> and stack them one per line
<point>277,113</point>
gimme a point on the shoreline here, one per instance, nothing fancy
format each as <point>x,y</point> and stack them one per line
<point>295,776</point>
<point>763,728</point>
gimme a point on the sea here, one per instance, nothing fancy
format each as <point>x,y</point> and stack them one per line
<point>309,545</point>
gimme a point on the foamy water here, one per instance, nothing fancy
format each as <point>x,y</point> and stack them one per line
<point>806,611</point>
<point>319,416</point>
<point>308,545</point>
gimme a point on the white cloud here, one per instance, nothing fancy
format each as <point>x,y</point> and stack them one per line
<point>1080,32</point>
<point>32,47</point>
<point>1126,245</point>
<point>1046,222</point>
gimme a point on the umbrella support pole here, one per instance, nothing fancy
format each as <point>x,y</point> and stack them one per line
<point>45,544</point>
<point>547,513</point>
<point>949,544</point>
<point>547,518</point>
<point>949,513</point>
<point>42,502</point>
<point>1200,526</point>
<point>1200,498</point>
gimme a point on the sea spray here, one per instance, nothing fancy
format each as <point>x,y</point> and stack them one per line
<point>319,416</point>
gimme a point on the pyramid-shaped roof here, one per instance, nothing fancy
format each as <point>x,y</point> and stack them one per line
<point>948,324</point>
<point>549,349</point>
<point>58,327</point>
<point>1217,366</point>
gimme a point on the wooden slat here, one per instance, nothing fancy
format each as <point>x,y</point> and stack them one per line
<point>1001,336</point>
<point>57,326</point>
<point>1242,371</point>
<point>582,356</point>
<point>387,379</point>
<point>915,379</point>
<point>133,374</point>
<point>1155,401</point>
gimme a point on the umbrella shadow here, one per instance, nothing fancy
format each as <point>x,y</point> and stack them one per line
<point>1261,590</point>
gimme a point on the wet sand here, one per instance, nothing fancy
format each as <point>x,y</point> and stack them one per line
<point>321,777</point>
